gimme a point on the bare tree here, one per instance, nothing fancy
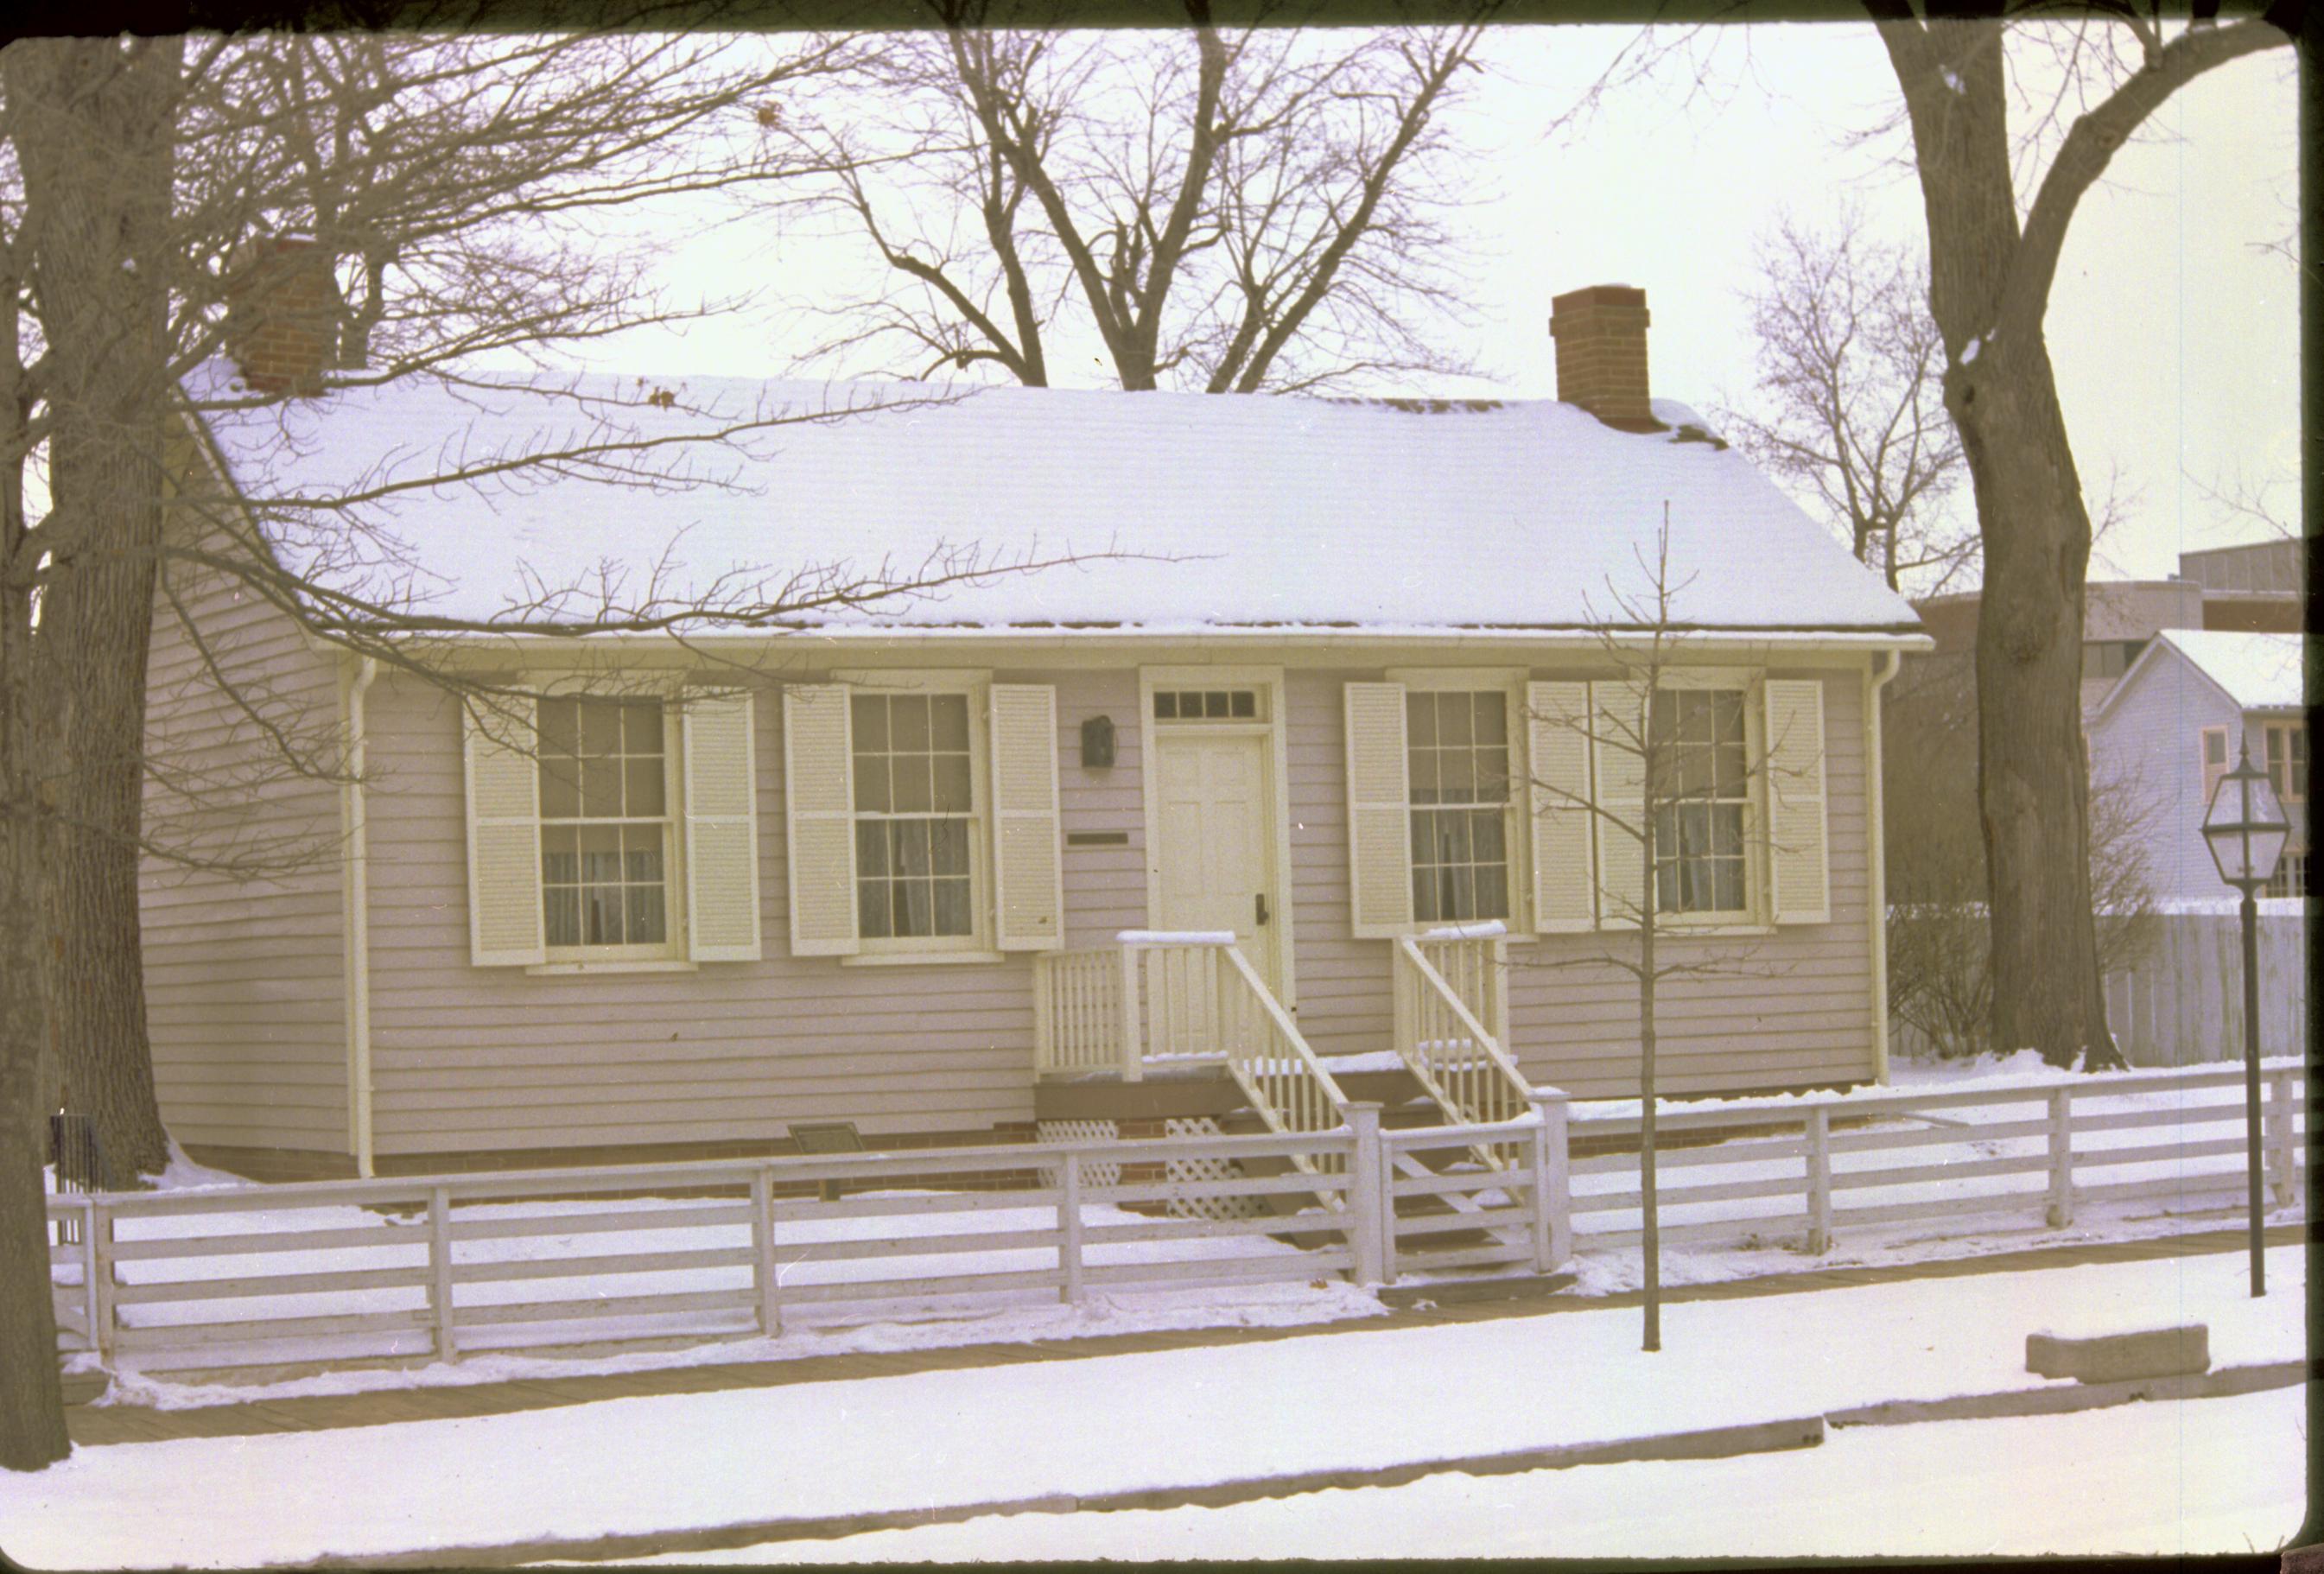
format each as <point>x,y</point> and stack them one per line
<point>1221,211</point>
<point>1850,408</point>
<point>1668,769</point>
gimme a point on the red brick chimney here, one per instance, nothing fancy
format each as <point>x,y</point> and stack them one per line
<point>283,314</point>
<point>1601,355</point>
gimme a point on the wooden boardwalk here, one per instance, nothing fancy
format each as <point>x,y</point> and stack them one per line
<point>1457,1303</point>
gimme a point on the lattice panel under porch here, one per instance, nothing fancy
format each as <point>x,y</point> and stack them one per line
<point>1094,1172</point>
<point>1205,1170</point>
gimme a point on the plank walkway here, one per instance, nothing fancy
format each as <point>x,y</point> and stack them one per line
<point>95,1425</point>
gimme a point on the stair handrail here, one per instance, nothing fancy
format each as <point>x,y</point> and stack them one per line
<point>1292,1091</point>
<point>1457,1095</point>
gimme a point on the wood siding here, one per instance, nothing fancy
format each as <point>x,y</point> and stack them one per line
<point>244,972</point>
<point>1793,1008</point>
<point>467,1058</point>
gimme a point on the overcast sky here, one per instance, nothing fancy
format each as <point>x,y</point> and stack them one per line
<point>2174,331</point>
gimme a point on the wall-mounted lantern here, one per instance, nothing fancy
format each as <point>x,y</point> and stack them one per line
<point>1097,743</point>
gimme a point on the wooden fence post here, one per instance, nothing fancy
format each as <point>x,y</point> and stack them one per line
<point>2061,1158</point>
<point>2282,1149</point>
<point>1133,1051</point>
<point>1553,1178</point>
<point>1818,1171</point>
<point>1367,1212</point>
<point>98,1265</point>
<point>763,1276</point>
<point>1069,1223</point>
<point>439,1273</point>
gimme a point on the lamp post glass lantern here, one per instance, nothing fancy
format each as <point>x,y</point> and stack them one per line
<point>2245,826</point>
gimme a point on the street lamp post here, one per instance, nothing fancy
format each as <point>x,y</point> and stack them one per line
<point>2244,827</point>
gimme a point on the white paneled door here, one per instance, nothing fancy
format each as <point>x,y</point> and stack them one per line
<point>1215,862</point>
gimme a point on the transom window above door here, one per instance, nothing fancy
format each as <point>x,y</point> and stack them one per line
<point>1213,704</point>
<point>604,832</point>
<point>1458,769</point>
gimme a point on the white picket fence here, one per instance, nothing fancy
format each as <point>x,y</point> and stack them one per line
<point>606,1256</point>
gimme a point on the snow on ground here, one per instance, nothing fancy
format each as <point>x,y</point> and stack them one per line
<point>1175,1417</point>
<point>2179,1479</point>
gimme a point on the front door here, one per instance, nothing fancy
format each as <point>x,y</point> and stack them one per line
<point>1214,866</point>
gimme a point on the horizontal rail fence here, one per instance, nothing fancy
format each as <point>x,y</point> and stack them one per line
<point>335,1270</point>
<point>1459,1213</point>
<point>2039,1152</point>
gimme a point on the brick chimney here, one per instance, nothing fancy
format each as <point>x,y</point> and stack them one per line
<point>1601,355</point>
<point>282,314</point>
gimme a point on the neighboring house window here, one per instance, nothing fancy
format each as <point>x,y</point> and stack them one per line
<point>605,825</point>
<point>2287,760</point>
<point>1698,825</point>
<point>1458,757</point>
<point>2291,875</point>
<point>915,816</point>
<point>2108,658</point>
<point>2215,760</point>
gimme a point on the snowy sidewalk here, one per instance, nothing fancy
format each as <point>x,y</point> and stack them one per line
<point>1364,1400</point>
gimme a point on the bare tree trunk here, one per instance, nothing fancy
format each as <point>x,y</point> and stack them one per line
<point>2032,791</point>
<point>94,127</point>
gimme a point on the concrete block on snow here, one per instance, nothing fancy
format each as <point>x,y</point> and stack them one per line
<point>2119,1358</point>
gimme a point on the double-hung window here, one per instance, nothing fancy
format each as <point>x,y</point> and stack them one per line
<point>2287,761</point>
<point>2215,759</point>
<point>1703,803</point>
<point>1457,744</point>
<point>916,816</point>
<point>606,826</point>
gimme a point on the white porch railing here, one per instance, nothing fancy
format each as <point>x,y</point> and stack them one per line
<point>1450,1010</point>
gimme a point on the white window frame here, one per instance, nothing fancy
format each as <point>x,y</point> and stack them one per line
<point>670,954</point>
<point>1757,916</point>
<point>1516,827</point>
<point>2269,732</point>
<point>978,945</point>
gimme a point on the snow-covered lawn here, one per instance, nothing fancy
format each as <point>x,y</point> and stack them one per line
<point>2179,1479</point>
<point>1356,1399</point>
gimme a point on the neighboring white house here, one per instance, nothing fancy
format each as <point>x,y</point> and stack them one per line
<point>2177,722</point>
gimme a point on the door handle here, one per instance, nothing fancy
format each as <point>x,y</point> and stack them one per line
<point>1259,902</point>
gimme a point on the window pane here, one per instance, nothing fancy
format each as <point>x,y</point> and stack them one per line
<point>1485,831</point>
<point>910,847</point>
<point>872,784</point>
<point>1452,719</point>
<point>1463,892</point>
<point>1726,831</point>
<point>641,854</point>
<point>1423,785</point>
<point>646,918</point>
<point>872,909</point>
<point>560,857</point>
<point>2215,747</point>
<point>911,772</point>
<point>1424,896</point>
<point>1492,893</point>
<point>913,903</point>
<point>948,718</point>
<point>870,849</point>
<point>1420,721</point>
<point>600,913</point>
<point>560,789</point>
<point>1727,706</point>
<point>601,854</point>
<point>868,716</point>
<point>1664,723</point>
<point>1166,705</point>
<point>953,912</point>
<point>563,912</point>
<point>561,726</point>
<point>642,796</point>
<point>1728,896</point>
<point>1454,830</point>
<point>1667,888</point>
<point>1214,704</point>
<point>601,786</point>
<point>641,732</point>
<point>1492,719</point>
<point>601,727</point>
<point>948,847</point>
<point>1456,775</point>
<point>1246,703</point>
<point>908,724</point>
<point>952,792</point>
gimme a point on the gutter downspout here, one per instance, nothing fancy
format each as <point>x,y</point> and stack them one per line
<point>1877,674</point>
<point>356,885</point>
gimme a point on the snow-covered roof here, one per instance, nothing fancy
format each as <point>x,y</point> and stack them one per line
<point>2260,672</point>
<point>1224,510</point>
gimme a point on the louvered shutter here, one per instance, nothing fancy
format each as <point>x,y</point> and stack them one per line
<point>1028,895</point>
<point>1557,747</point>
<point>819,819</point>
<point>1379,812</point>
<point>1618,725</point>
<point>722,836</point>
<point>1798,836</point>
<point>503,784</point>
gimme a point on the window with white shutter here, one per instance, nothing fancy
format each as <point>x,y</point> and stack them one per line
<point>1557,731</point>
<point>819,820</point>
<point>1798,833</point>
<point>1027,878</point>
<point>722,827</point>
<point>503,792</point>
<point>1617,722</point>
<point>1379,812</point>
